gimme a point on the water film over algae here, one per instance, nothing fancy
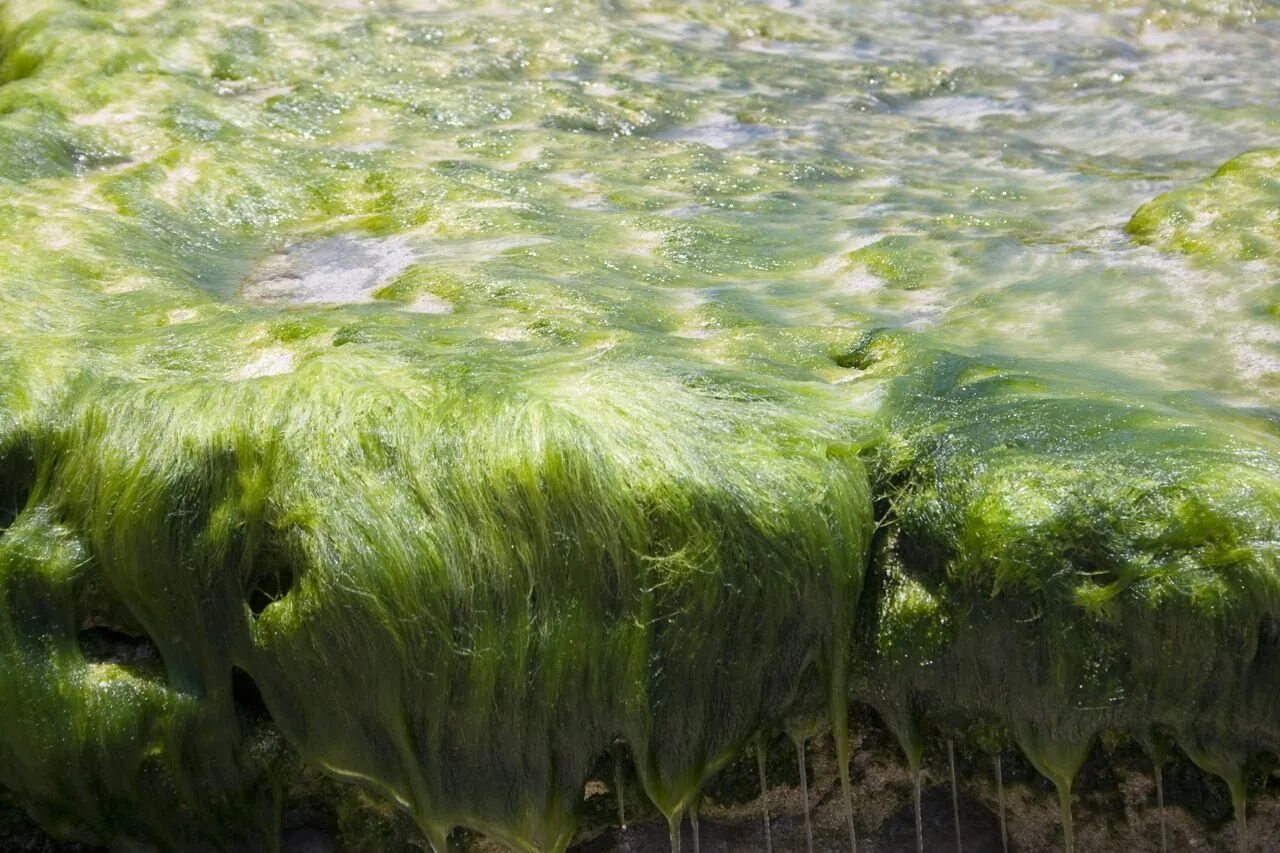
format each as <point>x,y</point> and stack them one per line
<point>425,405</point>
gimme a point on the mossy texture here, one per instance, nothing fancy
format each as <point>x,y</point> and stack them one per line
<point>408,410</point>
<point>1233,215</point>
<point>460,617</point>
<point>1071,563</point>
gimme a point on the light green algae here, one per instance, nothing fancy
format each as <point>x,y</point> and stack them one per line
<point>408,406</point>
<point>1233,215</point>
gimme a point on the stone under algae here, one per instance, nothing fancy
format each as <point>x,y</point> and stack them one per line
<point>1233,215</point>
<point>421,409</point>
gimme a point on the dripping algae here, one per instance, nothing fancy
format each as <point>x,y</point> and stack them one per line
<point>519,570</point>
<point>450,542</point>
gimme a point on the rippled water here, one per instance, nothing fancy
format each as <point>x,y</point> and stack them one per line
<point>966,170</point>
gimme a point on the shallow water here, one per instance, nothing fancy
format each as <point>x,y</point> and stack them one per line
<point>331,270</point>
<point>962,170</point>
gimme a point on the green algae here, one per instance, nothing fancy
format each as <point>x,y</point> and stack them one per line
<point>901,262</point>
<point>607,463</point>
<point>1233,215</point>
<point>1020,517</point>
<point>544,564</point>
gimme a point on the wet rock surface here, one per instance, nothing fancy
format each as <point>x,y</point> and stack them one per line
<point>1114,809</point>
<point>327,271</point>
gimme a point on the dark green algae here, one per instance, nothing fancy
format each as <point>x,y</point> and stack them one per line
<point>463,614</point>
<point>609,504</point>
<point>1119,555</point>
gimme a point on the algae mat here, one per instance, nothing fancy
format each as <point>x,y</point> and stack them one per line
<point>423,408</point>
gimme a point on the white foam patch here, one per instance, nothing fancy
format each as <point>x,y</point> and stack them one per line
<point>720,131</point>
<point>694,334</point>
<point>963,111</point>
<point>261,96</point>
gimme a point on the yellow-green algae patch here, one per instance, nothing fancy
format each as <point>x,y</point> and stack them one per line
<point>432,400</point>
<point>1233,215</point>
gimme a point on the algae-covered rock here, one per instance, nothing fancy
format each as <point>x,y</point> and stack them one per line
<point>413,413</point>
<point>901,262</point>
<point>1233,215</point>
<point>1120,555</point>
<point>459,619</point>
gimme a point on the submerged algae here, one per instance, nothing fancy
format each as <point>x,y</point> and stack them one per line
<point>630,488</point>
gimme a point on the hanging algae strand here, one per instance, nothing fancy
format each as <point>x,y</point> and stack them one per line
<point>1157,749</point>
<point>438,840</point>
<point>841,739</point>
<point>764,793</point>
<point>1004,829</point>
<point>955,799</point>
<point>1231,768</point>
<point>1064,814</point>
<point>619,793</point>
<point>693,823</point>
<point>804,794</point>
<point>1159,779</point>
<point>1239,801</point>
<point>915,804</point>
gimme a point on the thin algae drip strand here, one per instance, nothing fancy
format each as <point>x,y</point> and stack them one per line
<point>619,792</point>
<point>955,797</point>
<point>1064,815</point>
<point>846,792</point>
<point>764,794</point>
<point>413,407</point>
<point>804,795</point>
<point>1159,780</point>
<point>916,811</point>
<point>1004,828</point>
